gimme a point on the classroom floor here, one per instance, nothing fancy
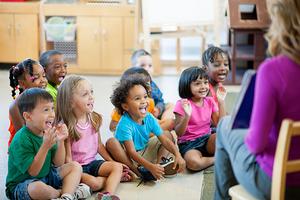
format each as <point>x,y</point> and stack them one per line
<point>183,186</point>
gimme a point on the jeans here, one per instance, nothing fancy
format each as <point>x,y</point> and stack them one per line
<point>234,164</point>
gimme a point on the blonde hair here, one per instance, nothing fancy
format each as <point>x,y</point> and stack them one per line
<point>284,33</point>
<point>64,110</point>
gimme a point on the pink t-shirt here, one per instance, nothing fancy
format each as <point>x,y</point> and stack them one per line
<point>199,123</point>
<point>85,149</point>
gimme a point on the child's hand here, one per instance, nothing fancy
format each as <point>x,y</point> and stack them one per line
<point>157,171</point>
<point>179,163</point>
<point>61,132</point>
<point>186,107</point>
<point>221,92</point>
<point>156,112</point>
<point>49,137</point>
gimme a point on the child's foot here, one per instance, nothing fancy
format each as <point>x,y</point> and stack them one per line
<point>146,174</point>
<point>107,196</point>
<point>64,197</point>
<point>168,164</point>
<point>82,191</point>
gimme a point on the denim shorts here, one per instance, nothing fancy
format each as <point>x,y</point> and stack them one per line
<point>198,144</point>
<point>21,190</point>
<point>93,167</point>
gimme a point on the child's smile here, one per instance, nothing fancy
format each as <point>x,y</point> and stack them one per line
<point>137,103</point>
<point>200,88</point>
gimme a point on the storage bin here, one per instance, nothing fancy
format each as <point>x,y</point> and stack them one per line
<point>60,32</point>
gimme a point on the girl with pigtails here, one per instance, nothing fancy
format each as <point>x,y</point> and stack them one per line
<point>26,74</point>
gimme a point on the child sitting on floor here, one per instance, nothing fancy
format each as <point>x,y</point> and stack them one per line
<point>24,75</point>
<point>36,168</point>
<point>134,147</point>
<point>193,114</point>
<point>75,106</point>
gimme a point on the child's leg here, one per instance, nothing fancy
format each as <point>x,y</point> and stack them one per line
<point>113,171</point>
<point>118,153</point>
<point>71,175</point>
<point>195,161</point>
<point>162,151</point>
<point>40,190</point>
<point>95,183</point>
<point>211,144</point>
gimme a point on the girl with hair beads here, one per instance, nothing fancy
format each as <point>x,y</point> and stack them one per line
<point>216,62</point>
<point>193,114</point>
<point>26,74</point>
<point>75,103</point>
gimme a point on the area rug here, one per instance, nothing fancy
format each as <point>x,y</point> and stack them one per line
<point>208,186</point>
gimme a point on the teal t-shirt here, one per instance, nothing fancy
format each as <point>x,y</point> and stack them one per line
<point>53,91</point>
<point>128,129</point>
<point>22,151</point>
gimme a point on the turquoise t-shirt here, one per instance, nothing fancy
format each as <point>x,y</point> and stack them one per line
<point>22,151</point>
<point>128,129</point>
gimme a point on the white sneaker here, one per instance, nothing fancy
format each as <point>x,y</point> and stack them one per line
<point>82,191</point>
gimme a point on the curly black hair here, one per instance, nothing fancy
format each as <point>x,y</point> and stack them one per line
<point>122,89</point>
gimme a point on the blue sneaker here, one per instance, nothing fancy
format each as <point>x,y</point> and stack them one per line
<point>145,175</point>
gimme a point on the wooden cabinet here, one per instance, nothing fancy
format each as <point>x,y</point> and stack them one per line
<point>100,44</point>
<point>105,36</point>
<point>18,35</point>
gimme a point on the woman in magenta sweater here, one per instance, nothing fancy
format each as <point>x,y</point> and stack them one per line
<point>246,156</point>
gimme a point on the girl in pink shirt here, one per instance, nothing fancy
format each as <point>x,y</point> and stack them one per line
<point>75,103</point>
<point>193,115</point>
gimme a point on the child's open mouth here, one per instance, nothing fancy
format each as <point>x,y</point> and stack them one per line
<point>143,109</point>
<point>222,76</point>
<point>49,123</point>
<point>61,78</point>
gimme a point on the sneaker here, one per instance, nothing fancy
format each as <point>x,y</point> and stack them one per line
<point>107,196</point>
<point>146,174</point>
<point>168,164</point>
<point>82,191</point>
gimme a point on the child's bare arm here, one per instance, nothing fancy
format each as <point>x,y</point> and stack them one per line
<point>170,146</point>
<point>49,139</point>
<point>102,150</point>
<point>15,116</point>
<point>68,150</point>
<point>156,170</point>
<point>62,134</point>
<point>112,126</point>
<point>216,116</point>
<point>181,122</point>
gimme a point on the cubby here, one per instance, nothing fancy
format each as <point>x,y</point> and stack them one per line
<point>105,36</point>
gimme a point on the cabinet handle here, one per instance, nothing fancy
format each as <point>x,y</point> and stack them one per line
<point>18,27</point>
<point>96,33</point>
<point>9,28</point>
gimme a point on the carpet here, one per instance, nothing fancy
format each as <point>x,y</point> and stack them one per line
<point>208,186</point>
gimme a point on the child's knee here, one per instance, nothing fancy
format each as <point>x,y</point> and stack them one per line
<point>75,166</point>
<point>117,167</point>
<point>111,143</point>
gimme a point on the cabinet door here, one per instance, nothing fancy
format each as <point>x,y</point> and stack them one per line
<point>129,40</point>
<point>112,44</point>
<point>7,39</point>
<point>89,43</point>
<point>26,36</point>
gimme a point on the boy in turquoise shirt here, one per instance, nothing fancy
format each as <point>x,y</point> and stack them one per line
<point>36,168</point>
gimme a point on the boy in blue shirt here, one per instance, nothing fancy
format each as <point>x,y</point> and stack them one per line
<point>36,168</point>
